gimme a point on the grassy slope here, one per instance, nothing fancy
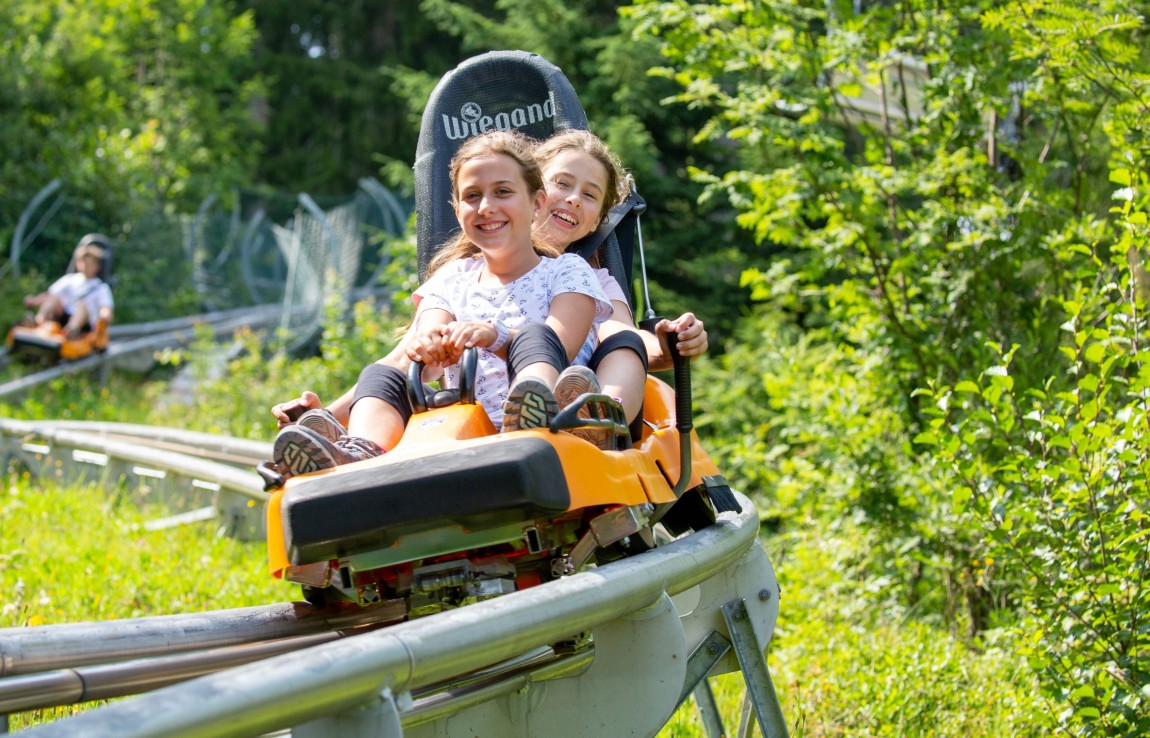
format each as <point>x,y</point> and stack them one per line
<point>78,553</point>
<point>72,554</point>
<point>843,668</point>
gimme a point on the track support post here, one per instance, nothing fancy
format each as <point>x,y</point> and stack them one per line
<point>760,689</point>
<point>709,710</point>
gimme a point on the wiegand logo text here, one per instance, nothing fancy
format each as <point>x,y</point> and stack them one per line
<point>472,121</point>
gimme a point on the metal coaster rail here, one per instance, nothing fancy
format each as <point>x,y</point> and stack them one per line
<point>610,651</point>
<point>72,663</point>
<point>198,475</point>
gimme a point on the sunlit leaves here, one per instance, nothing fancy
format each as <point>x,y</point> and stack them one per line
<point>132,104</point>
<point>1004,207</point>
<point>1076,469</point>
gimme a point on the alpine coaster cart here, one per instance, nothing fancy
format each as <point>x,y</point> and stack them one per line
<point>457,513</point>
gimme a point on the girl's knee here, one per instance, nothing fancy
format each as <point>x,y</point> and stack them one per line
<point>536,343</point>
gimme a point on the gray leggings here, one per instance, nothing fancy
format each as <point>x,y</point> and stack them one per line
<point>533,344</point>
<point>623,341</point>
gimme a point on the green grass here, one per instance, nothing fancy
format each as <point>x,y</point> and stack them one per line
<point>74,554</point>
<point>847,667</point>
<point>79,553</point>
<point>843,667</point>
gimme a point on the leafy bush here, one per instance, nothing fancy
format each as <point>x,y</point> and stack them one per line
<point>939,192</point>
<point>1059,476</point>
<point>844,667</point>
<point>802,426</point>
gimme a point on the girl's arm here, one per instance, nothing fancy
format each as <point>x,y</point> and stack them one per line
<point>692,335</point>
<point>571,315</point>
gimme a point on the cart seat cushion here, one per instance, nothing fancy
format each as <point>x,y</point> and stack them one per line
<point>474,487</point>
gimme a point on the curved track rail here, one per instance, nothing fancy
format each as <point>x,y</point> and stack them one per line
<point>198,476</point>
<point>73,663</point>
<point>611,651</point>
<point>658,625</point>
<point>133,345</point>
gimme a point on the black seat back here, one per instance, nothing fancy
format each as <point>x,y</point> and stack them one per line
<point>499,89</point>
<point>506,89</point>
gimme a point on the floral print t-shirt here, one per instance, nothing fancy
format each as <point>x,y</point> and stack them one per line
<point>456,289</point>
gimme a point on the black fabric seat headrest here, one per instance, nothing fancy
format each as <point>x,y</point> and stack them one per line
<point>499,89</point>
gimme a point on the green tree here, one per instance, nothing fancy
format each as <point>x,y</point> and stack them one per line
<point>1058,473</point>
<point>693,251</point>
<point>332,114</point>
<point>131,102</point>
<point>135,105</point>
<point>936,176</point>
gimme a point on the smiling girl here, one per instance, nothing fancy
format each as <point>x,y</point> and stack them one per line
<point>584,180</point>
<point>527,307</point>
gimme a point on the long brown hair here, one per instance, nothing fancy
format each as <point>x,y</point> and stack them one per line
<point>518,147</point>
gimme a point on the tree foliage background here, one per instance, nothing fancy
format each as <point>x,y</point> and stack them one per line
<point>916,230</point>
<point>954,329</point>
<point>140,108</point>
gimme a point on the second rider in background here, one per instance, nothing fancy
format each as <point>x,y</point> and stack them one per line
<point>79,300</point>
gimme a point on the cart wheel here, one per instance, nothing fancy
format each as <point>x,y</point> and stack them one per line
<point>316,596</point>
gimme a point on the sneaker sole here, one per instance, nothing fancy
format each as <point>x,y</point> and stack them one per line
<point>323,423</point>
<point>530,405</point>
<point>297,453</point>
<point>573,384</point>
<point>598,437</point>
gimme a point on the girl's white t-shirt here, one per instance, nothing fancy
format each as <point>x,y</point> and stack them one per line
<point>456,289</point>
<point>74,287</point>
<point>609,284</point>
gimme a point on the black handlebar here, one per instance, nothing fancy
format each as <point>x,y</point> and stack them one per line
<point>684,414</point>
<point>417,395</point>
